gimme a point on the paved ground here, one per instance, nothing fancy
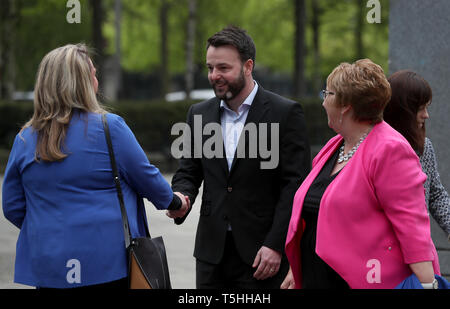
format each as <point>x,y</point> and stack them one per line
<point>179,241</point>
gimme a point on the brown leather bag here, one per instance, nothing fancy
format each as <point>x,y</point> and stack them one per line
<point>147,260</point>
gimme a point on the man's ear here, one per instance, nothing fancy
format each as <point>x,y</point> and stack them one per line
<point>248,67</point>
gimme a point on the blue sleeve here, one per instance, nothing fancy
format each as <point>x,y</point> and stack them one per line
<point>13,195</point>
<point>135,167</point>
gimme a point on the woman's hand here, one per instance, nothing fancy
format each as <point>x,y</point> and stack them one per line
<point>288,282</point>
<point>185,205</point>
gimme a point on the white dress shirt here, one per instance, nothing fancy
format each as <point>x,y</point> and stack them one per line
<point>232,124</point>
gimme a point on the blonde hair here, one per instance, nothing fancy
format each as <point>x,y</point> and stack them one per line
<point>64,83</point>
<point>362,85</point>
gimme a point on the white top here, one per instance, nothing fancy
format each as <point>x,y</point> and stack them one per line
<point>232,124</point>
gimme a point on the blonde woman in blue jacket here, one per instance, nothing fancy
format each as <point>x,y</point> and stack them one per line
<point>58,187</point>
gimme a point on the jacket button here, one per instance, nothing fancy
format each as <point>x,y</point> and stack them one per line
<point>390,248</point>
<point>229,189</point>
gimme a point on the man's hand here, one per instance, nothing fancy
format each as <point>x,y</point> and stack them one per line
<point>268,263</point>
<point>185,205</point>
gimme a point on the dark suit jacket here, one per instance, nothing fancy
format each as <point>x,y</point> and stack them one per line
<point>256,202</point>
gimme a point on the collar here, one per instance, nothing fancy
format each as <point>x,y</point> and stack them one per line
<point>248,101</point>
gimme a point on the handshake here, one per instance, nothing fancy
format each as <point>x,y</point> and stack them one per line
<point>185,206</point>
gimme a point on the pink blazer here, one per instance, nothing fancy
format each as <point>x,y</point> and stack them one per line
<point>373,220</point>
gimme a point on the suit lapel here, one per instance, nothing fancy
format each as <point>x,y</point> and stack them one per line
<point>213,116</point>
<point>258,108</point>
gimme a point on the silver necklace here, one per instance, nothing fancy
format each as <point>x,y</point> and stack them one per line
<point>345,157</point>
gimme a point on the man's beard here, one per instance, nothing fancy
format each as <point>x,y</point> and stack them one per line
<point>234,88</point>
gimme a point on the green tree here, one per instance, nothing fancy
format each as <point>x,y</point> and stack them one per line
<point>98,39</point>
<point>299,48</point>
<point>338,40</point>
<point>190,47</point>
<point>9,16</point>
<point>43,27</point>
<point>332,33</point>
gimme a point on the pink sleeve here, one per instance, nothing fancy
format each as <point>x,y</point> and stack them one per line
<point>398,183</point>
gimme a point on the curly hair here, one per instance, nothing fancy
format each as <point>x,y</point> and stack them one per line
<point>362,85</point>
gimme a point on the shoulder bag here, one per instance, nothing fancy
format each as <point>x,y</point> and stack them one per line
<point>147,260</point>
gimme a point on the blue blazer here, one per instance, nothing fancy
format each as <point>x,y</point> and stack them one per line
<point>68,213</point>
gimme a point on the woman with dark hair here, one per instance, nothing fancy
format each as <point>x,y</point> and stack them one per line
<point>407,112</point>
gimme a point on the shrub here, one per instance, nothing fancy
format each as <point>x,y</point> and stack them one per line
<point>151,122</point>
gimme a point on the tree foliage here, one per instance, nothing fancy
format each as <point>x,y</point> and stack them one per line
<point>43,26</point>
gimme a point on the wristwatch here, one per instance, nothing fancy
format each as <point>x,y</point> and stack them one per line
<point>431,286</point>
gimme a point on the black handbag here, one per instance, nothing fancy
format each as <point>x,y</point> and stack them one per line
<point>147,260</point>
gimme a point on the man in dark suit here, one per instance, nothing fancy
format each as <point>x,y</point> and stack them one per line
<point>247,191</point>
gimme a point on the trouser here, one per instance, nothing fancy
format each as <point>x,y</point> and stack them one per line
<point>233,272</point>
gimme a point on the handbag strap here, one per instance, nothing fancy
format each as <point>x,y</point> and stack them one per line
<point>126,227</point>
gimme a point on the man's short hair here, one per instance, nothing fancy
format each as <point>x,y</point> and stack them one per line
<point>237,38</point>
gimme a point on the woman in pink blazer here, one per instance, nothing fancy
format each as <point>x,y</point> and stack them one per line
<point>359,220</point>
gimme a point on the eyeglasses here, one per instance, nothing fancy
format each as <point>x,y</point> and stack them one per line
<point>324,93</point>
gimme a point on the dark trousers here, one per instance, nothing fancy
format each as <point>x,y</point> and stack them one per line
<point>232,272</point>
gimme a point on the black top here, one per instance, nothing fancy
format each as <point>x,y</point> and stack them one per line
<point>316,274</point>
